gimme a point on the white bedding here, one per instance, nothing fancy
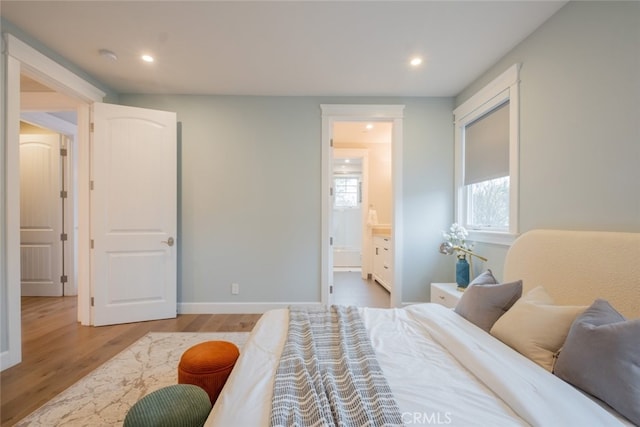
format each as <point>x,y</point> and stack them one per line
<point>441,368</point>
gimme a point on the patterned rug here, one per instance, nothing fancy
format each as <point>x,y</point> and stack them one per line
<point>104,397</point>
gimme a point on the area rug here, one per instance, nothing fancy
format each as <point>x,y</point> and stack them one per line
<point>104,397</point>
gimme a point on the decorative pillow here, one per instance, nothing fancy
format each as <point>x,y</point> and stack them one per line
<point>482,305</point>
<point>602,357</point>
<point>535,327</point>
<point>485,278</point>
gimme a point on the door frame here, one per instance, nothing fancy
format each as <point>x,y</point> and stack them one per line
<point>332,113</point>
<point>23,59</point>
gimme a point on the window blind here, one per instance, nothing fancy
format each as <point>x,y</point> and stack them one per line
<point>486,146</point>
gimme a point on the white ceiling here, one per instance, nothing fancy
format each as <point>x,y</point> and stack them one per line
<point>360,133</point>
<point>264,47</point>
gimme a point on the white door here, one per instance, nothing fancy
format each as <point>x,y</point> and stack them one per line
<point>40,215</point>
<point>133,214</point>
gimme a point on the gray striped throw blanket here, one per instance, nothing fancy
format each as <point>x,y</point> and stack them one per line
<point>328,373</point>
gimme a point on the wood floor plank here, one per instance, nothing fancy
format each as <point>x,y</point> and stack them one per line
<point>57,351</point>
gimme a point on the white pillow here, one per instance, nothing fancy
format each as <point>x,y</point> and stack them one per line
<point>535,327</point>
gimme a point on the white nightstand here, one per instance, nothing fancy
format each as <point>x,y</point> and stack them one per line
<point>446,294</point>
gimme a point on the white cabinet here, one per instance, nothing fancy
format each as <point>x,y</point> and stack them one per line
<point>382,260</point>
<point>446,294</point>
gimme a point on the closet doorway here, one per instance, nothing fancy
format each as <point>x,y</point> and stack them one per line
<point>48,211</point>
<point>43,205</point>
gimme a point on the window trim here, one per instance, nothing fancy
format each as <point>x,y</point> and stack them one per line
<point>502,88</point>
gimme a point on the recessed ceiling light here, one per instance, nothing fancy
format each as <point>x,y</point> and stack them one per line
<point>147,58</point>
<point>416,61</point>
<point>369,126</point>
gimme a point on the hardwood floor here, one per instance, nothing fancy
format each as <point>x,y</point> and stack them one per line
<point>349,288</point>
<point>57,351</point>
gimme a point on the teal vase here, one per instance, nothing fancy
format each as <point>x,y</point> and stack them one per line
<point>462,273</point>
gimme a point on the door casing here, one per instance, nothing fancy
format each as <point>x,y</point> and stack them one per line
<point>22,58</point>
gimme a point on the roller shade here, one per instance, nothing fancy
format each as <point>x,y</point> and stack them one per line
<point>486,146</point>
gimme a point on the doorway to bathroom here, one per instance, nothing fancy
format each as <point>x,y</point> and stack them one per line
<point>361,204</point>
<point>333,115</point>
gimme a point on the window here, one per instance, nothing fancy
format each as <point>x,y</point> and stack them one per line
<point>488,204</point>
<point>486,150</point>
<point>347,191</point>
<point>486,170</point>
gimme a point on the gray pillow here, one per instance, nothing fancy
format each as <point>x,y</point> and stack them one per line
<point>601,356</point>
<point>482,305</point>
<point>485,278</point>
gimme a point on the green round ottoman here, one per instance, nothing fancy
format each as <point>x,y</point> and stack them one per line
<point>180,405</point>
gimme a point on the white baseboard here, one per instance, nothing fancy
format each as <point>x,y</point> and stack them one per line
<point>236,307</point>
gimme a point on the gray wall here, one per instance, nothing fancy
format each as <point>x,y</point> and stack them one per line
<point>579,120</point>
<point>250,194</point>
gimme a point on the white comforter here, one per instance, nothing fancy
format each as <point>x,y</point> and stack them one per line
<point>442,370</point>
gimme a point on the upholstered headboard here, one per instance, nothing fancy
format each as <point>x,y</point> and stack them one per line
<point>576,267</point>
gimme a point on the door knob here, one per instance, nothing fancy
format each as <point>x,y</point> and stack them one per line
<point>169,241</point>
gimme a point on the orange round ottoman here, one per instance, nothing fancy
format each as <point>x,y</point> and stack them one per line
<point>208,365</point>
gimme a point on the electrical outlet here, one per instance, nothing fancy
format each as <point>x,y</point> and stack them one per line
<point>235,288</point>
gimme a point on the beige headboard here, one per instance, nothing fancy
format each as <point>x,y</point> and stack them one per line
<point>576,267</point>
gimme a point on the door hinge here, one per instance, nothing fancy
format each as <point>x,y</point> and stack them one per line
<point>63,152</point>
<point>64,237</point>
<point>330,241</point>
<point>331,191</point>
<point>91,244</point>
<point>331,142</point>
<point>91,127</point>
<point>330,289</point>
<point>64,279</point>
<point>92,302</point>
<point>91,185</point>
<point>63,194</point>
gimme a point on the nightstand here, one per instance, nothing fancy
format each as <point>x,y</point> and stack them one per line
<point>446,294</point>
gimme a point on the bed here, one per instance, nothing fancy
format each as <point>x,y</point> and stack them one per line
<point>445,369</point>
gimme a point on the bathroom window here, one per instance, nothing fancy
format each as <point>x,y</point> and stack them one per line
<point>347,192</point>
